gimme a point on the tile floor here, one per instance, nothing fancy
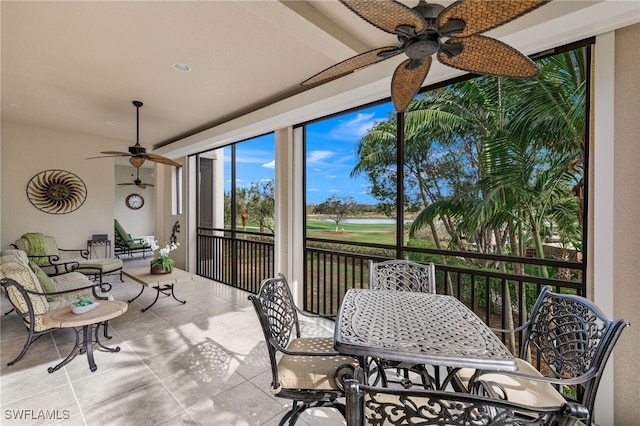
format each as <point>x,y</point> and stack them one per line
<point>203,363</point>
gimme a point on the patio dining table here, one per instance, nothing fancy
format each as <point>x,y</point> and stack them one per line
<point>418,328</point>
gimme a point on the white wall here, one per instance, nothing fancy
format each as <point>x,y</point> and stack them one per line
<point>27,151</point>
<point>139,222</point>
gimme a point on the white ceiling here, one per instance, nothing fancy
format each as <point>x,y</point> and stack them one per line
<point>76,65</point>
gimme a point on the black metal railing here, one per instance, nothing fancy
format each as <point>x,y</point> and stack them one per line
<point>240,259</point>
<point>486,283</point>
<point>333,267</point>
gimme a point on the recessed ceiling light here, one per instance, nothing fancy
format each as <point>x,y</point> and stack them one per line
<point>182,67</point>
<point>111,123</point>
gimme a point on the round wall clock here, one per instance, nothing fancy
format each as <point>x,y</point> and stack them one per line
<point>56,191</point>
<point>134,201</point>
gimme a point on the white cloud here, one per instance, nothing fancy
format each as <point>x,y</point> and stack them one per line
<point>313,190</point>
<point>318,155</point>
<point>331,176</point>
<point>354,128</point>
<point>270,165</point>
<point>334,190</point>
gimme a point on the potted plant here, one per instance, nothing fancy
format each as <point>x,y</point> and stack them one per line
<point>162,263</point>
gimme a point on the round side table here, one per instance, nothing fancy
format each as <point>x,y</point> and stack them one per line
<point>86,327</point>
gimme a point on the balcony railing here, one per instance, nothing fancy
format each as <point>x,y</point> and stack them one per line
<point>491,288</point>
<point>240,259</point>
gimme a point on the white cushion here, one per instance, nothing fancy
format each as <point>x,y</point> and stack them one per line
<point>311,372</point>
<point>520,390</point>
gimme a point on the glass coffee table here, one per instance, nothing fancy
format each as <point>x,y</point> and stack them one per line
<point>162,283</point>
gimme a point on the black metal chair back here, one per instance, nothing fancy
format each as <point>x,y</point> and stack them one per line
<point>277,314</point>
<point>314,371</point>
<point>402,275</point>
<point>573,339</point>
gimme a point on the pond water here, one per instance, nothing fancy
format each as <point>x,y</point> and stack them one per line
<point>367,221</point>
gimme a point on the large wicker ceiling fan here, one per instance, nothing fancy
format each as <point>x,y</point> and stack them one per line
<point>452,33</point>
<point>137,152</point>
<point>137,181</point>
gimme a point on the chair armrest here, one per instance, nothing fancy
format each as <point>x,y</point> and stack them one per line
<point>552,380</point>
<point>54,261</point>
<point>511,330</point>
<point>7,282</point>
<point>75,290</point>
<point>84,253</point>
<point>139,240</point>
<point>573,413</point>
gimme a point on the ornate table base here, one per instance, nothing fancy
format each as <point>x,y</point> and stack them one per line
<point>86,326</point>
<point>85,340</point>
<point>166,290</point>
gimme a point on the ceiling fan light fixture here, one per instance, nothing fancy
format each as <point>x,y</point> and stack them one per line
<point>136,161</point>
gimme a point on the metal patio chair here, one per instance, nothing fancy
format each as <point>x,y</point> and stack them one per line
<point>573,340</point>
<point>306,370</point>
<point>368,405</point>
<point>402,275</point>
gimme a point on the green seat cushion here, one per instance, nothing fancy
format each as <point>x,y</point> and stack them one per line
<point>45,281</point>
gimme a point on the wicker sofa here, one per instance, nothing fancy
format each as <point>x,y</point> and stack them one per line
<point>32,293</point>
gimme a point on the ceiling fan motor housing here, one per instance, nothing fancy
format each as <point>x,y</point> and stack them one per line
<point>137,150</point>
<point>422,46</point>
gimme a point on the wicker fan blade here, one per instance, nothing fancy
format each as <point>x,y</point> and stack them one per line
<point>406,82</point>
<point>127,183</point>
<point>111,154</point>
<point>162,160</point>
<point>484,55</point>
<point>352,64</point>
<point>481,16</point>
<point>115,153</point>
<point>386,14</point>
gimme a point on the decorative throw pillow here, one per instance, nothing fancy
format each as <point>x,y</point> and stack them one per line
<point>45,281</point>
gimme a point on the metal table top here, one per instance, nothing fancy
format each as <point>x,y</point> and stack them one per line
<point>420,328</point>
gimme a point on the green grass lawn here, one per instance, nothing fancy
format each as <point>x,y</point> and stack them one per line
<point>384,233</point>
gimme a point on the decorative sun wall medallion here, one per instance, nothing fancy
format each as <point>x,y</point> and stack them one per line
<point>56,191</point>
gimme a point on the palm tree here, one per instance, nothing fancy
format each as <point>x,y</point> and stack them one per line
<point>530,137</point>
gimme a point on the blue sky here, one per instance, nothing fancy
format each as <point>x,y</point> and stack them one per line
<point>330,156</point>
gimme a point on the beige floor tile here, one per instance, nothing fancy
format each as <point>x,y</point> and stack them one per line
<point>227,408</point>
<point>147,405</point>
<point>45,407</point>
<point>202,363</point>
